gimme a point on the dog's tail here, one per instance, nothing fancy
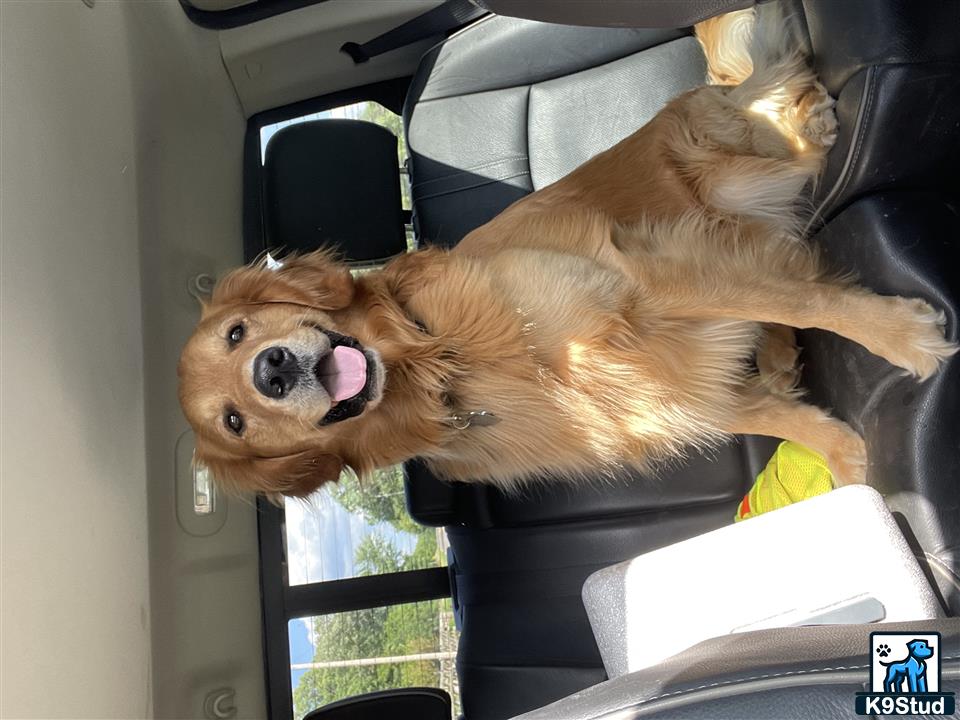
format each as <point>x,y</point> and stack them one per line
<point>759,51</point>
<point>725,40</point>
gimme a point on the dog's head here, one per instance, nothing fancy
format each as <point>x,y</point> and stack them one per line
<point>272,372</point>
<point>920,649</point>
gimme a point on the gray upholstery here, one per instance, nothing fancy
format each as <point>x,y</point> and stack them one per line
<point>507,106</point>
<point>572,119</point>
<point>615,13</point>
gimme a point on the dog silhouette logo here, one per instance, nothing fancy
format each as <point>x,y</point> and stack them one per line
<point>905,676</point>
<point>909,674</point>
<point>904,662</point>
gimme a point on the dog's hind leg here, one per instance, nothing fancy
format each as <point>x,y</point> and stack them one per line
<point>765,188</point>
<point>745,161</point>
<point>761,412</point>
<point>761,53</point>
<point>891,683</point>
<point>783,87</point>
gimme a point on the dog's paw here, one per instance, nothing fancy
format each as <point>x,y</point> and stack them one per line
<point>848,461</point>
<point>817,120</point>
<point>782,382</point>
<point>914,338</point>
<point>883,650</point>
<point>777,363</point>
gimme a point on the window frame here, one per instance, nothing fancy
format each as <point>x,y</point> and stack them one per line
<point>389,93</point>
<point>281,602</point>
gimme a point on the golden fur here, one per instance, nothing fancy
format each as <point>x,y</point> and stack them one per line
<point>609,319</point>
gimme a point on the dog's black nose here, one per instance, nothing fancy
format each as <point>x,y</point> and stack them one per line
<point>275,372</point>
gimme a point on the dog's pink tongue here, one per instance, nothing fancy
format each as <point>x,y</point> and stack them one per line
<point>346,372</point>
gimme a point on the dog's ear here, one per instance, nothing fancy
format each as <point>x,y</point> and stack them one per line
<point>296,475</point>
<point>305,472</point>
<point>316,279</point>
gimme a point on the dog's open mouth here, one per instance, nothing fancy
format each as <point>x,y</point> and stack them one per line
<point>348,374</point>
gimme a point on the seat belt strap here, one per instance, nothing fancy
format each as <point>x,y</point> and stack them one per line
<point>438,21</point>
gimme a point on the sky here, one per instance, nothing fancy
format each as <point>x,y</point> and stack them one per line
<point>301,649</point>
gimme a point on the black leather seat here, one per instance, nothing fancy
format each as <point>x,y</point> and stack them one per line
<point>889,203</point>
<point>501,109</point>
<point>506,107</point>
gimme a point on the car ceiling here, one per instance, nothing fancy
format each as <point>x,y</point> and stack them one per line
<point>296,55</point>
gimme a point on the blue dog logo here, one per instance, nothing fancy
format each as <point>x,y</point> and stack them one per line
<point>907,686</point>
<point>911,671</point>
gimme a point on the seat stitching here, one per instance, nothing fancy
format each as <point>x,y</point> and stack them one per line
<point>846,170</point>
<point>440,45</point>
<point>952,577</point>
<point>466,170</point>
<point>871,93</point>
<point>862,130</point>
<point>788,673</point>
<point>420,198</point>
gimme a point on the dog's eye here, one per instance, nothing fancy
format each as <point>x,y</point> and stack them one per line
<point>233,421</point>
<point>235,335</point>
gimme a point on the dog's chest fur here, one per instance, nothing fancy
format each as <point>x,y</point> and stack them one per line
<point>581,374</point>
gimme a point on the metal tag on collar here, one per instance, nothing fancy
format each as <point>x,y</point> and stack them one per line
<point>478,418</point>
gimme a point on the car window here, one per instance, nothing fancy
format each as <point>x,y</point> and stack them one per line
<point>349,529</point>
<point>398,646</point>
<point>356,531</point>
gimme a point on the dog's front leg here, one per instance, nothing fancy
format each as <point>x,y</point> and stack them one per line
<point>917,681</point>
<point>906,332</point>
<point>764,412</point>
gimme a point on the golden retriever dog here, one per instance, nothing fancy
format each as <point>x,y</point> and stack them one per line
<point>640,306</point>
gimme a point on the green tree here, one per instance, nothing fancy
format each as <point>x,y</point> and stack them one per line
<point>343,636</point>
<point>378,114</point>
<point>376,555</point>
<point>398,630</point>
<point>377,499</point>
<point>381,499</point>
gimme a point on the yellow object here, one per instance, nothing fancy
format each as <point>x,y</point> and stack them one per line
<point>794,473</point>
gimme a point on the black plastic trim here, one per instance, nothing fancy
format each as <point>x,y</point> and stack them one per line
<point>370,591</point>
<point>242,15</point>
<point>254,234</point>
<point>389,93</point>
<point>281,603</point>
<point>273,581</point>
